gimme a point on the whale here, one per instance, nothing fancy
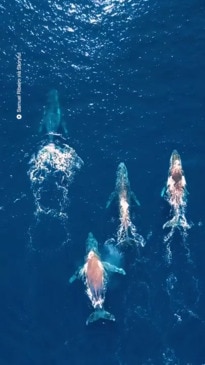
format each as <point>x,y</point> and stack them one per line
<point>175,193</point>
<point>94,274</point>
<point>127,233</point>
<point>52,121</point>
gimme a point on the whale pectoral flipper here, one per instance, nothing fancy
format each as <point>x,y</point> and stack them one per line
<point>77,275</point>
<point>112,196</point>
<point>133,196</point>
<point>163,191</point>
<point>100,314</point>
<point>113,268</point>
<point>73,278</point>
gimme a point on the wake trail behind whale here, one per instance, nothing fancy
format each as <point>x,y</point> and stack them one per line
<point>178,222</point>
<point>129,235</point>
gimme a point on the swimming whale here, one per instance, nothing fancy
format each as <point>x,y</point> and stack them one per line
<point>175,193</point>
<point>52,116</point>
<point>127,233</point>
<point>94,273</point>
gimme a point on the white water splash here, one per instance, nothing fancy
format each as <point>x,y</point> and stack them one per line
<point>51,172</point>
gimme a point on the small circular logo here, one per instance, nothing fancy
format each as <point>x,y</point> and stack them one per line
<point>19,116</point>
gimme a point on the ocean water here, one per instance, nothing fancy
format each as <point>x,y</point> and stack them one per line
<point>130,77</point>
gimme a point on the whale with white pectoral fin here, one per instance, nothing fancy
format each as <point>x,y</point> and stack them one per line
<point>52,120</point>
<point>94,273</point>
<point>127,232</point>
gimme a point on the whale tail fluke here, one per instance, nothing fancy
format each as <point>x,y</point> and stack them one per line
<point>100,314</point>
<point>50,137</point>
<point>177,221</point>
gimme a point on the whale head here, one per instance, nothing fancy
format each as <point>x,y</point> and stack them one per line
<point>91,243</point>
<point>176,166</point>
<point>52,96</point>
<point>175,158</point>
<point>122,170</point>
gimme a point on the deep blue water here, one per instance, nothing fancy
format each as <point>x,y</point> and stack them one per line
<point>130,77</point>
